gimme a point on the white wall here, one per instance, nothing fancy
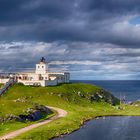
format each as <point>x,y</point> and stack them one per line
<point>3,81</point>
<point>27,82</point>
<point>42,83</point>
<point>48,79</point>
<point>33,76</point>
<point>41,68</point>
<point>61,77</point>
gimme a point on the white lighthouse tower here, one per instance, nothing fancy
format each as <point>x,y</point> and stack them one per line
<point>42,67</point>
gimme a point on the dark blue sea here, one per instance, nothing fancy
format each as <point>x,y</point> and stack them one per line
<point>111,128</point>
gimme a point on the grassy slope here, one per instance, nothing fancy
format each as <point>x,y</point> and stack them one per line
<point>1,86</point>
<point>79,109</point>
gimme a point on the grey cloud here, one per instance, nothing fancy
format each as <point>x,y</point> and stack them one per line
<point>28,11</point>
<point>74,20</point>
<point>91,60</point>
<point>92,37</point>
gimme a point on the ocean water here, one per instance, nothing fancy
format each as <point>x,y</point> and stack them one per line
<point>129,89</point>
<point>111,128</point>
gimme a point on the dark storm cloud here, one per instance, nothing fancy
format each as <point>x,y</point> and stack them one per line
<point>110,7</point>
<point>65,20</point>
<point>22,11</point>
<point>86,37</point>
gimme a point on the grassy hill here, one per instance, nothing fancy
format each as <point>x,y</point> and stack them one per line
<point>81,101</point>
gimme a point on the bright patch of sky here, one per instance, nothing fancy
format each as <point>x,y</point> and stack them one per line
<point>135,20</point>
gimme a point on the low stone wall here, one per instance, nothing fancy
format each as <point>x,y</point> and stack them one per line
<point>32,83</point>
<point>39,82</point>
<point>51,82</point>
<point>7,85</point>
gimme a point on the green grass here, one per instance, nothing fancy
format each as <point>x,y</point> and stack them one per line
<point>1,86</point>
<point>64,96</point>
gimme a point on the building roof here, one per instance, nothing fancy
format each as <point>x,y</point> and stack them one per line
<point>42,60</point>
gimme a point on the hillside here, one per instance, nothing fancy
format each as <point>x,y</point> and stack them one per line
<point>81,101</point>
<point>25,96</point>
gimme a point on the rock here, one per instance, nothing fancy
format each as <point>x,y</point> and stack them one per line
<point>31,97</point>
<point>120,108</point>
<point>1,119</point>
<point>42,108</point>
<point>36,115</point>
<point>99,95</point>
<point>23,100</point>
<point>105,96</point>
<point>9,117</point>
<point>29,110</point>
<point>94,97</point>
<point>80,94</point>
<point>135,103</point>
<point>32,114</point>
<point>60,95</point>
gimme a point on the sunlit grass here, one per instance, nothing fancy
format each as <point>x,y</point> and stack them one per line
<point>64,96</point>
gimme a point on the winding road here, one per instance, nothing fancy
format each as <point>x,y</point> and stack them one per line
<point>60,113</point>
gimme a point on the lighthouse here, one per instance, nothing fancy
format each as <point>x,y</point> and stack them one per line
<point>40,77</point>
<point>42,67</point>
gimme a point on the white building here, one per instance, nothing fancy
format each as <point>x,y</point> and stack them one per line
<point>41,76</point>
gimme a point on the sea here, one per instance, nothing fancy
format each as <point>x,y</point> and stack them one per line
<point>111,128</point>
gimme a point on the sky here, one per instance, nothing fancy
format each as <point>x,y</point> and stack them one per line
<point>91,39</point>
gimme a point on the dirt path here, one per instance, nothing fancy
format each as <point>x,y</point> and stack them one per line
<point>61,113</point>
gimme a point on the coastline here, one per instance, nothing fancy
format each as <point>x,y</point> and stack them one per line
<point>85,121</point>
<point>97,117</point>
